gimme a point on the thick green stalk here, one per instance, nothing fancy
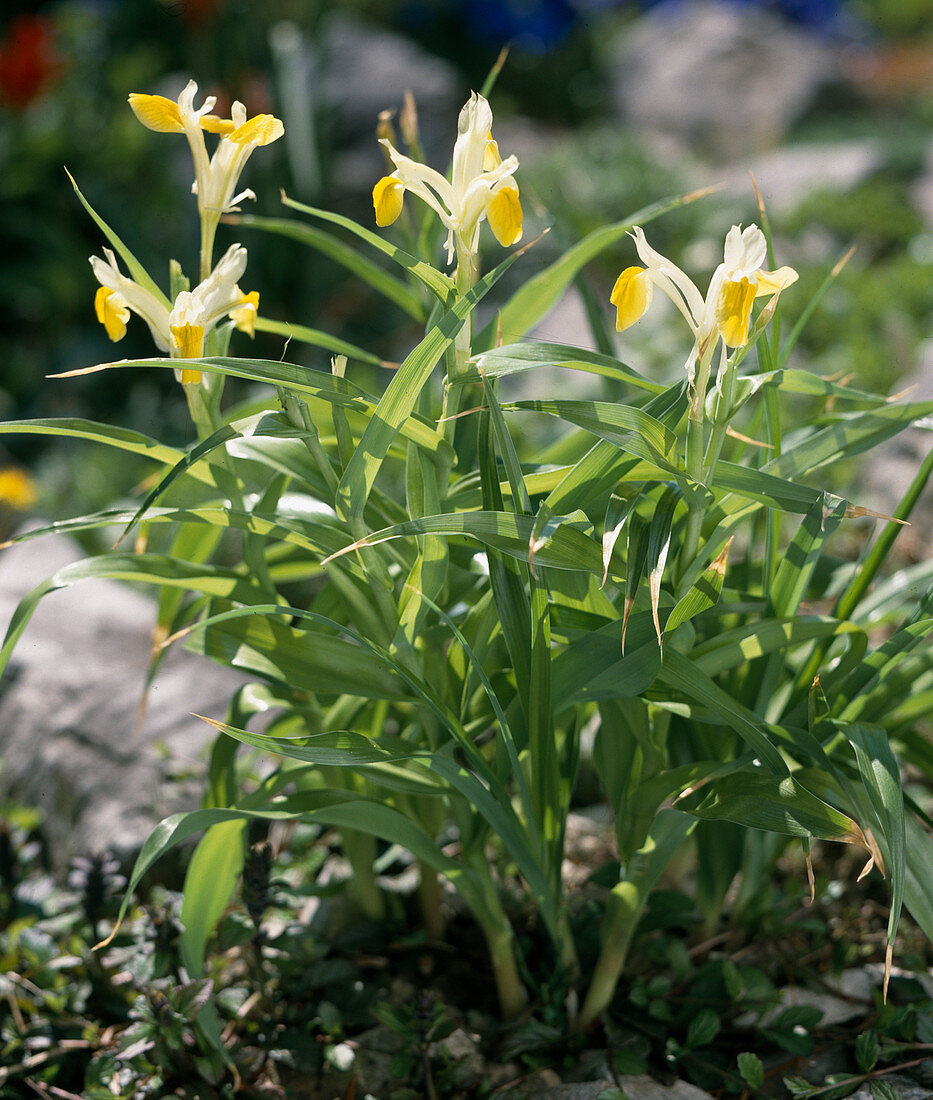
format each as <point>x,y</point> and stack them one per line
<point>500,939</point>
<point>721,423</point>
<point>628,898</point>
<point>360,850</point>
<point>626,904</point>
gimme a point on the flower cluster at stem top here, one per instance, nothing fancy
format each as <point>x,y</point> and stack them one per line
<point>725,313</point>
<point>179,328</point>
<point>482,186</point>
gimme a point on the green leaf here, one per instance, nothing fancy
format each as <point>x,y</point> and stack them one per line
<point>541,293</point>
<point>396,404</point>
<point>631,429</point>
<point>510,359</point>
<point>881,1090</point>
<point>567,548</point>
<point>881,779</point>
<point>327,387</point>
<point>328,244</point>
<point>766,488</point>
<point>775,804</point>
<point>335,749</point>
<point>799,1087</point>
<point>146,568</point>
<point>136,269</point>
<point>439,284</point>
<point>703,1029</point>
<point>867,1049</point>
<point>702,595</point>
<point>306,660</point>
<point>210,879</point>
<point>122,438</point>
<point>800,558</point>
<point>752,1069</point>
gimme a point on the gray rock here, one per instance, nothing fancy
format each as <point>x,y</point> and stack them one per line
<point>369,69</point>
<point>723,79</point>
<point>788,175</point>
<point>73,739</point>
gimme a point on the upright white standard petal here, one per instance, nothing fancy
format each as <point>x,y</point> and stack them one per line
<point>481,187</point>
<point>216,190</point>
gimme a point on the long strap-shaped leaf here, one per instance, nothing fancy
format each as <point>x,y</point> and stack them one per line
<point>568,547</point>
<point>138,272</point>
<point>148,568</point>
<point>477,783</point>
<point>538,296</point>
<point>339,251</point>
<point>396,404</point>
<point>312,383</point>
<point>123,439</point>
<point>514,358</point>
<point>438,283</point>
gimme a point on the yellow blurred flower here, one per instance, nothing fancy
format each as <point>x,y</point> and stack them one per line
<point>17,489</point>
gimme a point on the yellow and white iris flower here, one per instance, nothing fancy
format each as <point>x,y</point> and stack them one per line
<point>178,331</point>
<point>215,177</point>
<point>481,186</point>
<point>725,312</point>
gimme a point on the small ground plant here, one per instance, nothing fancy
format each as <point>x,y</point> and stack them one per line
<point>444,626</point>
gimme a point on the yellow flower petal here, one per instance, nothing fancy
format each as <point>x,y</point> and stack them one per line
<point>245,313</point>
<point>770,282</point>
<point>630,296</point>
<point>112,312</point>
<point>387,200</point>
<point>17,488</point>
<point>504,212</point>
<point>734,310</point>
<point>214,124</point>
<point>258,130</point>
<point>157,113</point>
<point>491,158</point>
<point>189,340</point>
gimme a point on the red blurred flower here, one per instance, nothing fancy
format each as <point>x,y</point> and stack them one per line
<point>28,61</point>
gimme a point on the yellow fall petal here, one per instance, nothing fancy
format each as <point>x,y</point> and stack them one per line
<point>734,311</point>
<point>157,113</point>
<point>770,282</point>
<point>112,312</point>
<point>214,124</point>
<point>630,296</point>
<point>258,130</point>
<point>245,313</point>
<point>504,212</point>
<point>387,200</point>
<point>190,342</point>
